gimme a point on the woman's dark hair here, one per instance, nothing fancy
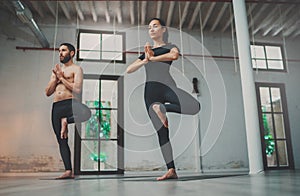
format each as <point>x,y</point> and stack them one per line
<point>69,46</point>
<point>163,24</point>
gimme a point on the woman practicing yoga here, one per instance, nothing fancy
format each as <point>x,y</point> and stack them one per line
<point>161,93</point>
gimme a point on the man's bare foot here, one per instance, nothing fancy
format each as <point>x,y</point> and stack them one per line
<point>67,175</point>
<point>163,118</point>
<point>171,174</point>
<point>64,129</point>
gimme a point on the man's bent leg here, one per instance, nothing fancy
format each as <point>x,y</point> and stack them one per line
<point>64,129</point>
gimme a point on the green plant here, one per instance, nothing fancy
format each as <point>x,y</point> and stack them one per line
<point>98,126</point>
<point>268,137</point>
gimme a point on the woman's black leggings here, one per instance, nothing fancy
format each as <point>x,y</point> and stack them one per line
<point>170,99</point>
<point>74,111</point>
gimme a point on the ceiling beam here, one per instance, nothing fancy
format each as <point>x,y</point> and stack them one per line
<point>143,12</point>
<point>278,21</point>
<point>254,17</point>
<point>65,9</point>
<point>250,9</point>
<point>51,8</point>
<point>208,14</point>
<point>107,16</point>
<point>267,19</point>
<point>78,10</point>
<point>119,12</point>
<point>116,7</point>
<point>195,14</point>
<point>158,9</point>
<point>218,18</point>
<point>170,13</point>
<point>288,21</point>
<point>93,11</point>
<point>185,12</point>
<point>227,23</point>
<point>132,18</point>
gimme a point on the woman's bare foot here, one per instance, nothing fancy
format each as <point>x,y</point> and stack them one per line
<point>163,118</point>
<point>67,175</point>
<point>64,129</point>
<point>171,174</point>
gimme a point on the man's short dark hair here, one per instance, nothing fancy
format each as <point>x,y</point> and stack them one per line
<point>70,47</point>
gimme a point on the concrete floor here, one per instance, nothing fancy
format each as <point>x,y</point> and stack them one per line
<point>271,183</point>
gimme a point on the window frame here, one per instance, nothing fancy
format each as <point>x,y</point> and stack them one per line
<point>266,58</point>
<point>100,32</point>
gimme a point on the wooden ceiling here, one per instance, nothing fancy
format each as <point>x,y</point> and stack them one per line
<point>266,17</point>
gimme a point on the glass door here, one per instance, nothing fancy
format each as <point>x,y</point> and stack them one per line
<point>100,139</point>
<point>274,125</point>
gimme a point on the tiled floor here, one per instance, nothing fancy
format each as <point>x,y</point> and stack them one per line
<point>273,183</point>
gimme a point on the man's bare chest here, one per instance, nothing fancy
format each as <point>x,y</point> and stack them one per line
<point>68,74</point>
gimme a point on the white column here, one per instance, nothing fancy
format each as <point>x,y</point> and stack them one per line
<point>248,88</point>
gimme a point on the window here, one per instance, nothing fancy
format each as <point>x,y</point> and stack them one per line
<point>101,46</point>
<point>267,57</point>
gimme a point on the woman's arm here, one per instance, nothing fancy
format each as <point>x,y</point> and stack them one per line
<point>149,56</point>
<point>170,56</point>
<point>139,63</point>
<point>136,65</point>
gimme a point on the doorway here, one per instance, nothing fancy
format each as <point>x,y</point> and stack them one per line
<point>99,141</point>
<point>274,126</point>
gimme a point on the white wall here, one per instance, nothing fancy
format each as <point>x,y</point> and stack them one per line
<point>26,132</point>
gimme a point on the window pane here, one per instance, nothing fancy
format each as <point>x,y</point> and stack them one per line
<point>89,46</point>
<point>276,99</point>
<point>257,52</point>
<point>108,151</point>
<point>109,92</point>
<point>92,55</point>
<point>90,92</point>
<point>268,127</point>
<point>268,136</point>
<point>112,56</point>
<point>282,153</point>
<point>272,160</point>
<point>279,126</point>
<point>105,121</point>
<point>260,64</point>
<point>114,124</point>
<point>90,128</point>
<point>112,46</point>
<point>89,41</point>
<point>273,64</point>
<point>273,52</point>
<point>111,42</point>
<point>265,99</point>
<point>89,156</point>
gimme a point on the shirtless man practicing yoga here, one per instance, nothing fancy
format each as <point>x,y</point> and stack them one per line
<point>66,85</point>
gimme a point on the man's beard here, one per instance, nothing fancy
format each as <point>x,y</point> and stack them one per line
<point>66,59</point>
